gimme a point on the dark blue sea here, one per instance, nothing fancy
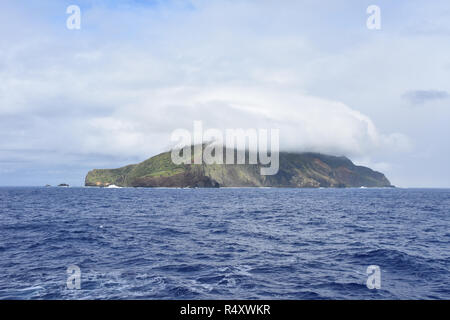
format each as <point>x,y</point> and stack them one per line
<point>224,243</point>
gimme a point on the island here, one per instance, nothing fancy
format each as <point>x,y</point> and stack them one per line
<point>296,170</point>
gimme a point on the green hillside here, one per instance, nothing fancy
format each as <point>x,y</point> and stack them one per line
<point>297,170</point>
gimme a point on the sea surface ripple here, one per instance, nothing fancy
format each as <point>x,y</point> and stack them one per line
<point>243,243</point>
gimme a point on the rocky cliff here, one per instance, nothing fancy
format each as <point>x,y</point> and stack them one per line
<point>297,170</point>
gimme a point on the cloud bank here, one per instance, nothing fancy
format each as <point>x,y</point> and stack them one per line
<point>81,93</point>
<point>112,92</point>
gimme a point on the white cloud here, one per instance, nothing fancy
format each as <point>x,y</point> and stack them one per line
<point>121,84</point>
<point>128,101</point>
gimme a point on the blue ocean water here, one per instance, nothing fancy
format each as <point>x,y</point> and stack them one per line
<point>224,243</point>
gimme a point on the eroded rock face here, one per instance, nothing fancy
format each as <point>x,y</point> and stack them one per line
<point>181,180</point>
<point>297,170</point>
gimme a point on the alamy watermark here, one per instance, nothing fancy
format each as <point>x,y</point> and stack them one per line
<point>74,277</point>
<point>374,20</point>
<point>208,147</point>
<point>373,277</point>
<point>74,20</point>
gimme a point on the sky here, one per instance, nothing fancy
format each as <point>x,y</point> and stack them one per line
<point>112,92</point>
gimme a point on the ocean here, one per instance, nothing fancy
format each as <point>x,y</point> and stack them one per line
<point>227,243</point>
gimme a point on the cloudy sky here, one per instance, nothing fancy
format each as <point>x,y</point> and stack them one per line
<point>111,93</point>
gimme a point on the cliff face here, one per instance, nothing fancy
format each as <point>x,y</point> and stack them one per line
<point>297,170</point>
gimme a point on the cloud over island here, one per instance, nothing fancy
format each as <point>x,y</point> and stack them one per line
<point>112,92</point>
